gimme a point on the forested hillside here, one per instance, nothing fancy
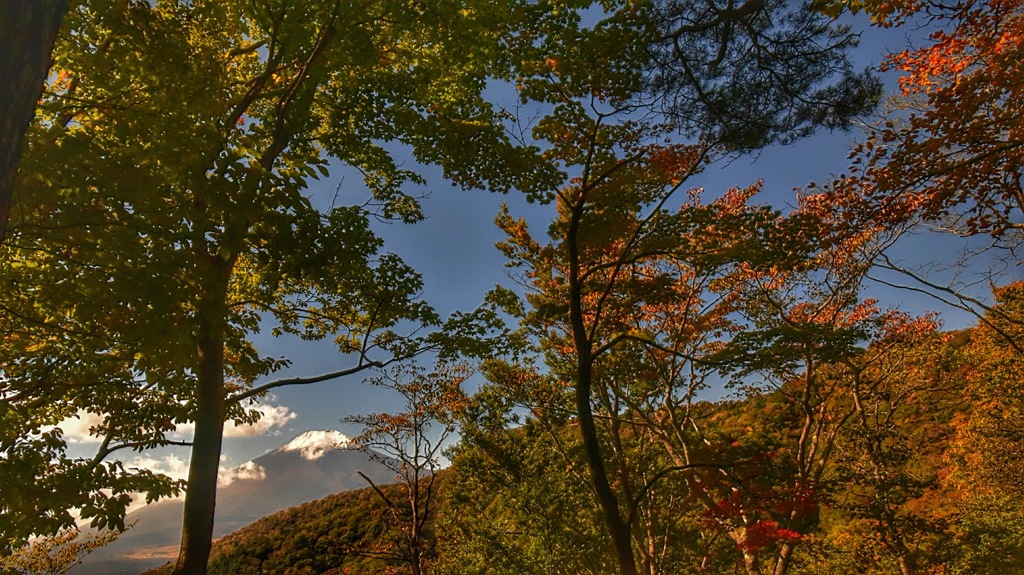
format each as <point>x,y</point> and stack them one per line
<point>343,533</point>
<point>897,459</point>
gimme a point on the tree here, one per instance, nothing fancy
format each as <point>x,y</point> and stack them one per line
<point>993,436</point>
<point>797,325</point>
<point>752,73</point>
<point>517,498</point>
<point>885,463</point>
<point>949,160</point>
<point>163,219</point>
<point>27,33</point>
<point>410,443</point>
<point>614,216</point>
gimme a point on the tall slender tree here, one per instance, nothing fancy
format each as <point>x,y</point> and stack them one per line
<point>732,78</point>
<point>410,444</point>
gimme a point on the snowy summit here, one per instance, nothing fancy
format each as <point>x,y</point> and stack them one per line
<point>313,444</point>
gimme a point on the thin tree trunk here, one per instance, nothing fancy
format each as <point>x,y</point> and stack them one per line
<point>28,29</point>
<point>617,527</point>
<point>751,558</point>
<point>415,539</point>
<point>785,556</point>
<point>898,544</point>
<point>905,565</point>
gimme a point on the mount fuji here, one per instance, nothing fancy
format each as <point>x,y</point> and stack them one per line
<point>311,466</point>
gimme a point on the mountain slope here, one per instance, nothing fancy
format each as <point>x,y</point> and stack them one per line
<point>311,466</point>
<point>317,537</point>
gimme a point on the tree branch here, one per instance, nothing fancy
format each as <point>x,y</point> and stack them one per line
<point>307,380</point>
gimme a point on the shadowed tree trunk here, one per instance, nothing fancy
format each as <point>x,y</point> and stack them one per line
<point>28,29</point>
<point>200,498</point>
<point>617,527</point>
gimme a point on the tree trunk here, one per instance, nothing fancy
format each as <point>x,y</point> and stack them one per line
<point>752,563</point>
<point>201,490</point>
<point>751,558</point>
<point>28,29</point>
<point>415,538</point>
<point>414,563</point>
<point>785,556</point>
<point>617,527</point>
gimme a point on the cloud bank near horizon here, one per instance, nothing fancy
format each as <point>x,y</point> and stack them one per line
<point>273,418</point>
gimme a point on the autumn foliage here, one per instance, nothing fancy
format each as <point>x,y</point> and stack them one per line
<point>954,154</point>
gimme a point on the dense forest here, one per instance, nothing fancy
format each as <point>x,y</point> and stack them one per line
<point>678,379</point>
<point>901,458</point>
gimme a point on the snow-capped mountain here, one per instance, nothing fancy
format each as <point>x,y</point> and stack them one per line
<point>314,444</point>
<point>313,465</point>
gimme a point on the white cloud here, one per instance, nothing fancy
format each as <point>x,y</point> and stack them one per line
<point>272,419</point>
<point>177,468</point>
<point>247,470</point>
<point>170,465</point>
<point>184,431</point>
<point>76,428</point>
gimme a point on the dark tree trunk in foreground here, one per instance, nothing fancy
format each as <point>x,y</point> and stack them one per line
<point>28,29</point>
<point>201,494</point>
